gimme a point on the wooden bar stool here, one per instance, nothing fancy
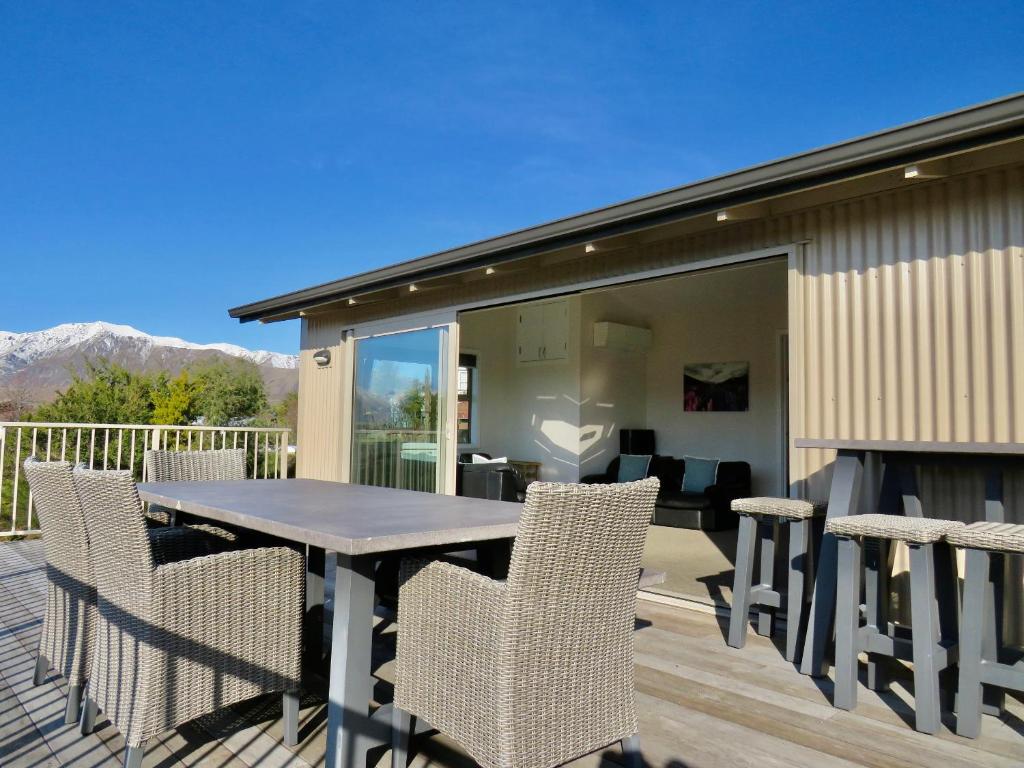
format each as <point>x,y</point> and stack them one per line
<point>980,655</point>
<point>763,516</point>
<point>932,632</point>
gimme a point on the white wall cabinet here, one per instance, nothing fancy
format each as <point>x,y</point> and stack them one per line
<point>542,332</point>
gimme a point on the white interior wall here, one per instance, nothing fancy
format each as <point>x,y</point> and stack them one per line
<point>613,383</point>
<point>719,316</point>
<point>527,411</point>
<point>566,414</point>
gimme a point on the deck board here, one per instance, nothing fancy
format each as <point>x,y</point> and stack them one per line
<point>701,705</point>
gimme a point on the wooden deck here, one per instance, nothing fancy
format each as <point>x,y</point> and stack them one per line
<point>701,703</point>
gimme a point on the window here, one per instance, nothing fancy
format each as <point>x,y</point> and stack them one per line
<point>466,407</point>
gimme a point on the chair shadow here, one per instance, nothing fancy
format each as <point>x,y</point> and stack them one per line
<point>614,755</point>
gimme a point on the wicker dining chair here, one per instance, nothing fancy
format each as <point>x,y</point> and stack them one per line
<point>175,466</point>
<point>537,670</point>
<point>183,639</point>
<point>69,619</point>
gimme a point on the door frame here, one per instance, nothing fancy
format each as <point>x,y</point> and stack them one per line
<point>448,321</point>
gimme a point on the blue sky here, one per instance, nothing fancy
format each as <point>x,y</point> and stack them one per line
<point>163,161</point>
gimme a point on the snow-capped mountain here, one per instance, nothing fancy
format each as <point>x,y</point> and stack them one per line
<point>40,362</point>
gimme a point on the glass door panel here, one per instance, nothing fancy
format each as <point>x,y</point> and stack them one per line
<point>399,410</point>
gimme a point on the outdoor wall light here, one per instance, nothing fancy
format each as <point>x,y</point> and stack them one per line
<point>589,248</point>
<point>413,288</point>
<point>351,302</point>
<point>322,357</point>
<point>489,271</point>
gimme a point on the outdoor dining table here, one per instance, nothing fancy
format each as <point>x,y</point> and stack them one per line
<point>360,524</point>
<point>899,493</point>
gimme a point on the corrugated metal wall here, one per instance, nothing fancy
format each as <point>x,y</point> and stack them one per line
<point>321,409</point>
<point>912,307</point>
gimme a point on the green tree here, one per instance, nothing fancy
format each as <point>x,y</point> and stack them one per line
<point>230,392</point>
<point>104,393</point>
<point>178,403</point>
<point>286,414</point>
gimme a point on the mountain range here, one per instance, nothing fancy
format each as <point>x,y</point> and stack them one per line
<point>38,364</point>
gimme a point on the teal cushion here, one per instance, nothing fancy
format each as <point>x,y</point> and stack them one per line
<point>699,474</point>
<point>633,467</point>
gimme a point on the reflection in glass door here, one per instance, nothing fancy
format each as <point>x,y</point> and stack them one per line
<point>399,410</point>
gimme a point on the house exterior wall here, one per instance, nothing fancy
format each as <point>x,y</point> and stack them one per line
<point>906,320</point>
<point>321,454</point>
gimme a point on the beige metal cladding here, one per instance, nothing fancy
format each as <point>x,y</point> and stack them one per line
<point>909,320</point>
<point>320,454</point>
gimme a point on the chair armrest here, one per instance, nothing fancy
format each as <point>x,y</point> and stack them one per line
<point>184,543</point>
<point>450,625</point>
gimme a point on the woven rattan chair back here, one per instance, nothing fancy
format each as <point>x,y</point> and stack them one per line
<point>71,588</point>
<point>170,466</point>
<point>119,543</point>
<point>572,588</point>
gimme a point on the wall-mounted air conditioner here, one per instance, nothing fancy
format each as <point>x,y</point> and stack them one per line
<point>627,338</point>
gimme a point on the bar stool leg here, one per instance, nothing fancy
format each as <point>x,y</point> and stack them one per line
<point>876,599</point>
<point>968,719</point>
<point>847,621</point>
<point>993,699</point>
<point>799,570</point>
<point>741,582</point>
<point>768,533</point>
<point>925,635</point>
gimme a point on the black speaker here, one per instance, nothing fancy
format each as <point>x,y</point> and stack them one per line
<point>638,442</point>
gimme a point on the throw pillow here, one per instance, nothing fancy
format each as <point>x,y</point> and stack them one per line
<point>478,459</point>
<point>633,467</point>
<point>699,474</point>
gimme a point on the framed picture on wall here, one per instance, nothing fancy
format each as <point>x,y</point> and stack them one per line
<point>716,386</point>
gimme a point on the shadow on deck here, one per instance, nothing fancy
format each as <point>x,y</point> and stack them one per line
<point>701,704</point>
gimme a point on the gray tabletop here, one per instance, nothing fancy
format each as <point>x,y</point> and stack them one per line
<point>351,519</point>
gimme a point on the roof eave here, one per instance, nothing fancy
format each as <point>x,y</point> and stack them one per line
<point>959,131</point>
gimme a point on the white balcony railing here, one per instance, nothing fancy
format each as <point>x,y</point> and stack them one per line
<point>118,446</point>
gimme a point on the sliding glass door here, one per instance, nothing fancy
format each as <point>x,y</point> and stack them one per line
<point>400,416</point>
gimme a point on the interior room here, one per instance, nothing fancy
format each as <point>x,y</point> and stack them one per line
<point>692,365</point>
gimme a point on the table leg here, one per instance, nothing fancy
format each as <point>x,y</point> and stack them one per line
<point>847,473</point>
<point>350,732</point>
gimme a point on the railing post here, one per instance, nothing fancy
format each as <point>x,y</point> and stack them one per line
<point>282,455</point>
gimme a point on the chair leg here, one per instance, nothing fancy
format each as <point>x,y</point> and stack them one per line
<point>133,756</point>
<point>924,629</point>
<point>89,709</point>
<point>401,729</point>
<point>74,704</point>
<point>968,718</point>
<point>631,751</point>
<point>847,622</point>
<point>290,706</point>
<point>768,533</point>
<point>738,616</point>
<point>42,667</point>
<point>799,557</point>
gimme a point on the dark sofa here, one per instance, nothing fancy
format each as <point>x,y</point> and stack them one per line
<point>708,511</point>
